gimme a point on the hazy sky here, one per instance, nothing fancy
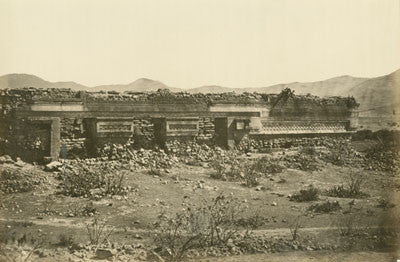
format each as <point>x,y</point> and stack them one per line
<point>188,43</point>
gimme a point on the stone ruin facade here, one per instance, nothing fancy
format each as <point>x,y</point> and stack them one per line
<point>46,124</point>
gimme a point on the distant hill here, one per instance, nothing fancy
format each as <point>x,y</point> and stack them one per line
<point>25,80</point>
<point>330,87</point>
<point>140,85</point>
<point>377,96</point>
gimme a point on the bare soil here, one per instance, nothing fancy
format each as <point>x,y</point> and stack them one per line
<point>45,212</point>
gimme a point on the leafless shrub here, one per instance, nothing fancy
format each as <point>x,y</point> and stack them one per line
<point>98,232</point>
<point>347,225</point>
<point>295,227</point>
<point>252,222</point>
<point>208,225</point>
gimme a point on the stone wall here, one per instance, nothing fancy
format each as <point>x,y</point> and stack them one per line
<point>265,143</point>
<point>206,129</point>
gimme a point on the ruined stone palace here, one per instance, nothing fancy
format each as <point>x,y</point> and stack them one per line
<point>43,123</point>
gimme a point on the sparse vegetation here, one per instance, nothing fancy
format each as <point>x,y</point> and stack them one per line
<point>385,204</point>
<point>94,182</point>
<point>65,240</point>
<point>347,224</point>
<point>326,207</point>
<point>295,226</point>
<point>350,189</point>
<point>98,231</point>
<point>302,162</point>
<point>249,172</point>
<point>306,195</point>
<point>208,225</point>
<point>266,166</point>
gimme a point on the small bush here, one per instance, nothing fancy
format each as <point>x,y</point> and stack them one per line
<point>98,232</point>
<point>81,209</point>
<point>208,225</point>
<point>252,222</point>
<point>383,157</point>
<point>93,181</point>
<point>302,162</point>
<point>351,188</point>
<point>251,177</point>
<point>326,207</point>
<point>385,204</point>
<point>265,166</point>
<point>347,225</point>
<point>65,240</point>
<point>222,166</point>
<point>295,228</point>
<point>306,195</point>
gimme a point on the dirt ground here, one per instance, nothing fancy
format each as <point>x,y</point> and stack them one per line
<point>47,213</point>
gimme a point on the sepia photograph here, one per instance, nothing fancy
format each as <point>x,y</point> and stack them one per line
<point>199,130</point>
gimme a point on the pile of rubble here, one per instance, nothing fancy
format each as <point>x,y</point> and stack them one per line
<point>265,144</point>
<point>189,151</point>
<point>382,158</point>
<point>18,176</point>
<point>137,158</point>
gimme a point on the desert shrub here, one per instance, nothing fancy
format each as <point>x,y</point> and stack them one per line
<point>251,222</point>
<point>250,176</point>
<point>385,204</point>
<point>229,168</point>
<point>81,209</point>
<point>225,166</point>
<point>265,166</point>
<point>65,240</point>
<point>341,153</point>
<point>94,181</point>
<point>113,184</point>
<point>178,234</point>
<point>211,224</point>
<point>350,189</point>
<point>302,162</point>
<point>305,195</point>
<point>347,224</point>
<point>13,180</point>
<point>362,135</point>
<point>326,207</point>
<point>98,231</point>
<point>383,157</point>
<point>295,226</point>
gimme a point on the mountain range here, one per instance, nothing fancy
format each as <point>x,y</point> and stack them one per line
<point>378,96</point>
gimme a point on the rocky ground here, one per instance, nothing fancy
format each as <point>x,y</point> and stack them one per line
<point>48,213</point>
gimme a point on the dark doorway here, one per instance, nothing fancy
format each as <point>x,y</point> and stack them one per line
<point>221,131</point>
